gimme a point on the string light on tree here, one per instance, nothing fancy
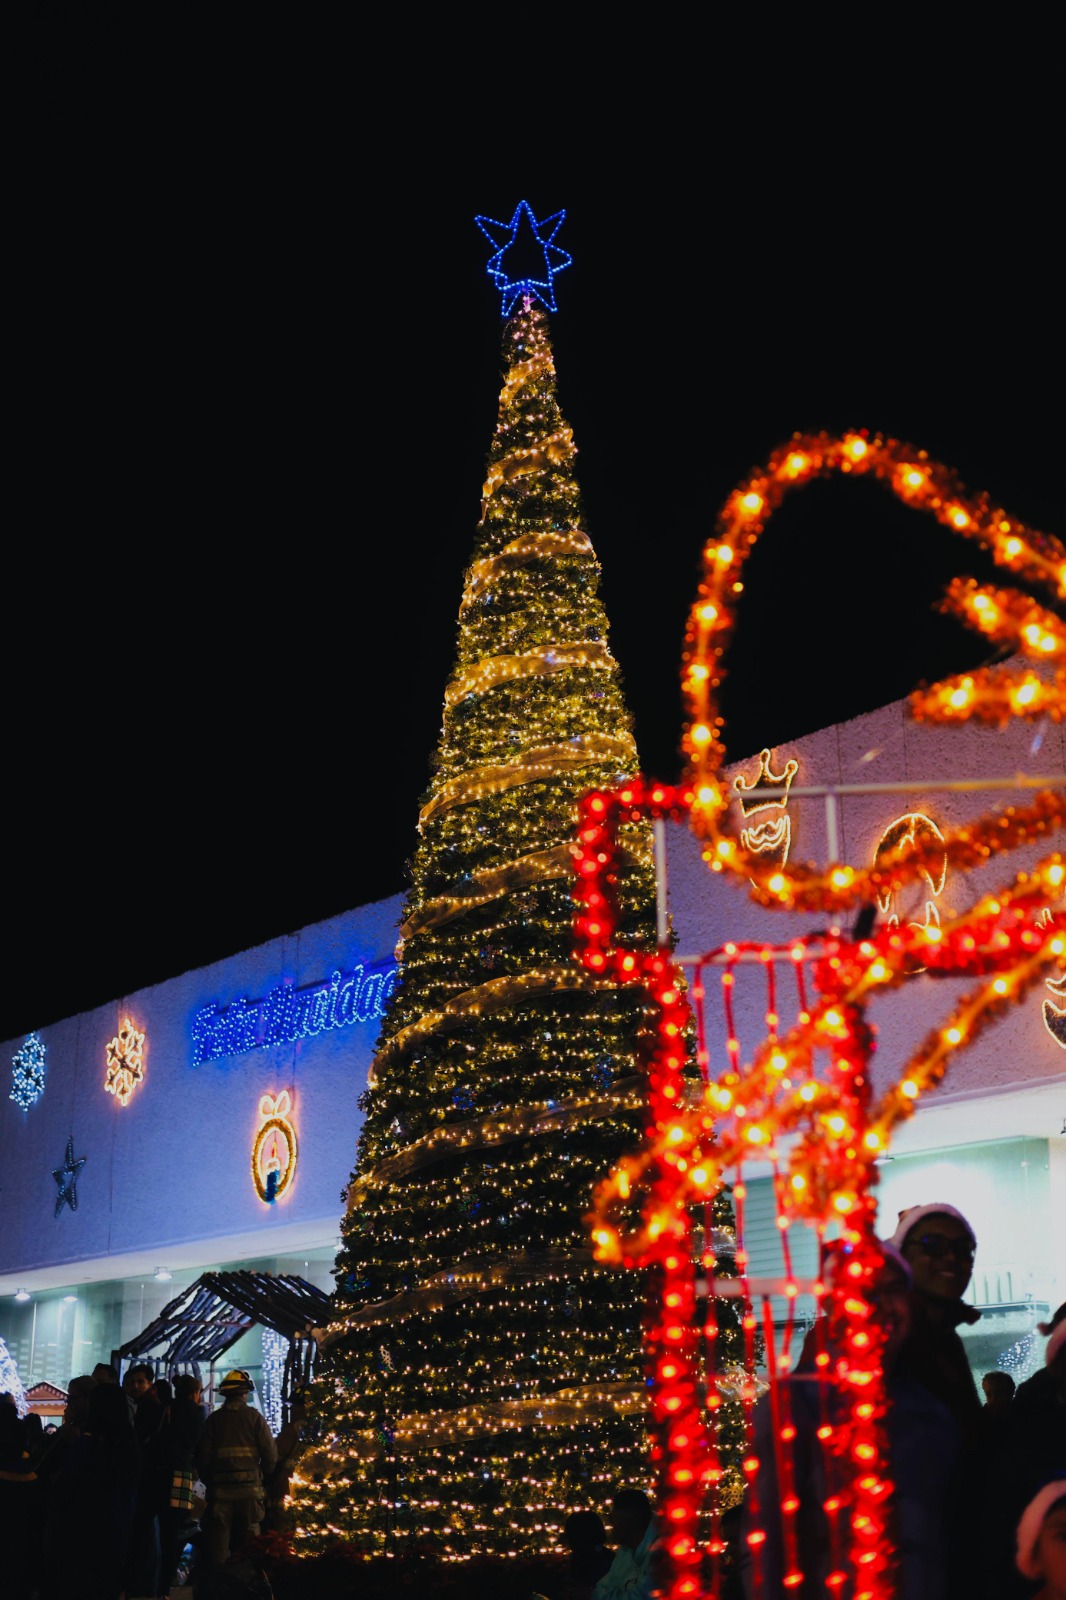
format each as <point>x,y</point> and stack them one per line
<point>486,1374</point>
<point>27,1072</point>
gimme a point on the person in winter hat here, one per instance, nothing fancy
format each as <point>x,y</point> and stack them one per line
<point>234,1456</point>
<point>938,1244</point>
<point>1042,1540</point>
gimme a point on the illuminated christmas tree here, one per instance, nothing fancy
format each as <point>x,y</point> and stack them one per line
<point>486,1377</point>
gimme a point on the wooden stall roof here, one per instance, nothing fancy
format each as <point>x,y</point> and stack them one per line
<point>210,1315</point>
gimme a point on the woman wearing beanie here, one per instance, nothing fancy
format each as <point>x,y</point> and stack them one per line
<point>938,1245</point>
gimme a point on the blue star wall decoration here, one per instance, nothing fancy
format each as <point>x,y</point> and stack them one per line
<point>532,259</point>
<point>66,1177</point>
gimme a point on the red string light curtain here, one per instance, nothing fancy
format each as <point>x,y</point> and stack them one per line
<point>802,1101</point>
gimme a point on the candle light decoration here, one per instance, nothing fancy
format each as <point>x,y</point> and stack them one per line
<point>274,1148</point>
<point>811,1081</point>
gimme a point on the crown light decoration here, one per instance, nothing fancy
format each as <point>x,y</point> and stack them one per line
<point>771,835</point>
<point>125,1062</point>
<point>1007,940</point>
<point>27,1073</point>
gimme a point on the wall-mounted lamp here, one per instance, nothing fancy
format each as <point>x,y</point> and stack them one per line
<point>70,1299</point>
<point>162,1275</point>
<point>22,1295</point>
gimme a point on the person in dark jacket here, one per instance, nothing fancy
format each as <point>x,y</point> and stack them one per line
<point>149,1423</point>
<point>95,1494</point>
<point>187,1421</point>
<point>19,1503</point>
<point>235,1457</point>
<point>924,1450</point>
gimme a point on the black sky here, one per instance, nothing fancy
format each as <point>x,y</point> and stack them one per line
<point>256,383</point>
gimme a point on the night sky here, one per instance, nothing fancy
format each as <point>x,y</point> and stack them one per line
<point>257,381</point>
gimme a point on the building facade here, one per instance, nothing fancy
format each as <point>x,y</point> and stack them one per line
<point>211,1121</point>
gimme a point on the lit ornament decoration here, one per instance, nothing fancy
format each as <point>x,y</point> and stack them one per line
<point>1007,939</point>
<point>534,256</point>
<point>125,1062</point>
<point>1055,1016</point>
<point>771,836</point>
<point>915,828</point>
<point>992,695</point>
<point>831,1169</point>
<point>27,1073</point>
<point>274,1149</point>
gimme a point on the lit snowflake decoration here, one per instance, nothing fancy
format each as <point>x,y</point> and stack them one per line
<point>125,1062</point>
<point>27,1070</point>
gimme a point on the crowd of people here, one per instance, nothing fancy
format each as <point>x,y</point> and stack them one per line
<point>108,1506</point>
<point>978,1510</point>
<point>140,1489</point>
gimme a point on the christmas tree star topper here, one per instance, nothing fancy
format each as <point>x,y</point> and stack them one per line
<point>66,1178</point>
<point>533,257</point>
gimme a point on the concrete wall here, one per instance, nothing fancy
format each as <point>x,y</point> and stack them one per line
<point>885,746</point>
<point>171,1170</point>
<point>172,1166</point>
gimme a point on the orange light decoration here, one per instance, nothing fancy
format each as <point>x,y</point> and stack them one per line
<point>125,1062</point>
<point>1007,940</point>
<point>991,694</point>
<point>274,1148</point>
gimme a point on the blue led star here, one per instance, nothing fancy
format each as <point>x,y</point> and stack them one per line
<point>534,259</point>
<point>66,1178</point>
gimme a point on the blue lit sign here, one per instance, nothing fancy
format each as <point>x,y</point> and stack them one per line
<point>288,1013</point>
<point>534,258</point>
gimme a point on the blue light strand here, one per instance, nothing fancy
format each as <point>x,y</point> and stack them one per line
<point>525,234</point>
<point>287,1013</point>
<point>27,1073</point>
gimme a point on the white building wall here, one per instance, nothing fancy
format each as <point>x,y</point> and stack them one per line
<point>167,1177</point>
